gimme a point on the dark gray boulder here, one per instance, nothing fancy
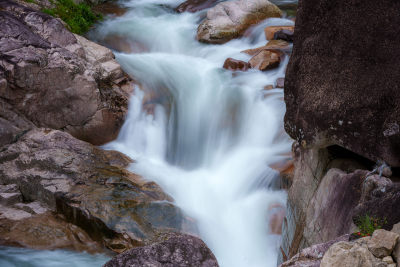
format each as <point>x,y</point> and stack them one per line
<point>342,83</point>
<point>177,250</point>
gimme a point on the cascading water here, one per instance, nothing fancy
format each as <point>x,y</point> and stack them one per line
<point>204,134</point>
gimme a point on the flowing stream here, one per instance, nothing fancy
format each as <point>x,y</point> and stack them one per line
<point>206,135</point>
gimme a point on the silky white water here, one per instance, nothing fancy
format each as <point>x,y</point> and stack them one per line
<point>206,135</point>
<point>210,135</point>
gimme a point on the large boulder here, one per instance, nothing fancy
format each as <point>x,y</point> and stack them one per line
<point>229,20</point>
<point>326,189</point>
<point>87,186</point>
<point>350,254</point>
<point>52,78</point>
<point>341,85</point>
<point>177,250</point>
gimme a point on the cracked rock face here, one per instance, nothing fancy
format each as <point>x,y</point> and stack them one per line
<point>52,78</point>
<point>341,86</point>
<point>177,250</point>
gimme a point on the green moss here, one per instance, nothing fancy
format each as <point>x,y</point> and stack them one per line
<point>79,17</point>
<point>30,1</point>
<point>368,225</point>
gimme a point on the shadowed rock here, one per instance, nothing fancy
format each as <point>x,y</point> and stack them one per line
<point>342,86</point>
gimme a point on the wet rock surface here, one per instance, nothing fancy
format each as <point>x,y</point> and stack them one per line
<point>52,78</point>
<point>87,186</point>
<point>177,250</point>
<point>46,231</point>
<point>265,60</point>
<point>276,46</point>
<point>229,20</point>
<point>195,5</point>
<point>235,65</point>
<point>336,101</point>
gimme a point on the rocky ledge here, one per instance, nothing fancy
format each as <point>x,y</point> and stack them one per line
<point>49,172</point>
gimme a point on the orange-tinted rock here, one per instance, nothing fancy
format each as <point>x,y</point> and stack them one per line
<point>268,87</point>
<point>271,30</point>
<point>265,60</point>
<point>285,168</point>
<point>46,231</point>
<point>234,65</point>
<point>277,214</point>
<point>272,45</point>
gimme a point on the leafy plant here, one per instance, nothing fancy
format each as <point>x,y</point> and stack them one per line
<point>368,224</point>
<point>79,17</point>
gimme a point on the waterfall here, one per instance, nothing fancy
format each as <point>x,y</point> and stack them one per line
<point>206,135</point>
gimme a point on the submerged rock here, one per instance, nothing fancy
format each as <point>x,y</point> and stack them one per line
<point>195,5</point>
<point>229,20</point>
<point>89,187</point>
<point>52,78</point>
<point>177,250</point>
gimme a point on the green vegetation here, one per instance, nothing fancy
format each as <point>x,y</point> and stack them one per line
<point>368,225</point>
<point>79,17</point>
